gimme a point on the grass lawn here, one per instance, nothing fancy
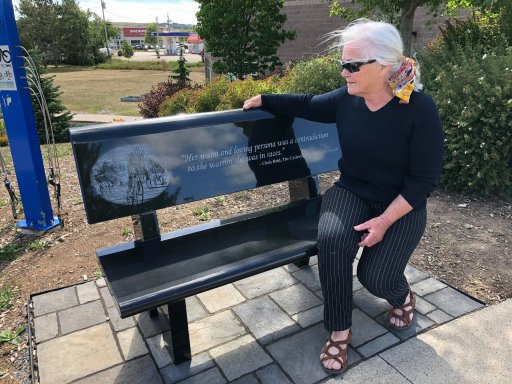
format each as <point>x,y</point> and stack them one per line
<point>89,90</point>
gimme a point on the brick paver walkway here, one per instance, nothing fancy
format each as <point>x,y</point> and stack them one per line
<point>265,329</point>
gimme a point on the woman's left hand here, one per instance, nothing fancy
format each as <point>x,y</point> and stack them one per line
<point>375,230</point>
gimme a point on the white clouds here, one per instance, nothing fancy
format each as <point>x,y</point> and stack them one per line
<point>180,11</point>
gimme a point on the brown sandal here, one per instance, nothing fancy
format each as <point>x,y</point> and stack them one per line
<point>340,357</point>
<point>406,317</point>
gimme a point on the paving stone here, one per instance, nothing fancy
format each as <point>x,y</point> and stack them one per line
<point>249,379</point>
<point>356,284</point>
<point>309,317</point>
<point>151,326</point>
<point>427,286</point>
<point>174,373</point>
<point>107,297</point>
<point>54,301</point>
<point>221,298</point>
<point>439,316</point>
<point>195,310</point>
<point>296,298</point>
<point>364,328</point>
<point>116,321</point>
<point>132,344</point>
<point>214,330</point>
<point>414,275</point>
<point>239,357</point>
<point>265,319</point>
<point>77,355</point>
<point>309,277</point>
<point>101,282</point>
<point>419,323</point>
<point>354,266</point>
<point>369,303</point>
<point>82,316</point>
<point>298,355</point>
<point>272,375</point>
<point>264,283</point>
<point>46,327</point>
<point>374,371</point>
<point>136,371</point>
<point>423,306</point>
<point>213,376</point>
<point>453,302</point>
<point>378,345</point>
<point>158,347</point>
<point>87,292</point>
<point>319,294</point>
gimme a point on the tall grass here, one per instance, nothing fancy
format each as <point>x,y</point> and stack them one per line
<point>145,65</point>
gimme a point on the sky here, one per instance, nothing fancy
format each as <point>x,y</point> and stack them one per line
<point>139,11</point>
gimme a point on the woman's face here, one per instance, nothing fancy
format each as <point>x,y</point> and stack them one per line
<point>370,79</point>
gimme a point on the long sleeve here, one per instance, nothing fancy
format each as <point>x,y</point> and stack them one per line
<point>320,108</point>
<point>425,154</point>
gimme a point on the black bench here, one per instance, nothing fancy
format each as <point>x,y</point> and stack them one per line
<point>132,169</point>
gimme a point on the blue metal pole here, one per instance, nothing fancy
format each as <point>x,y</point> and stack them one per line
<point>21,130</point>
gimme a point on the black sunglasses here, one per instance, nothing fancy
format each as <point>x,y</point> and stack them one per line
<point>354,66</point>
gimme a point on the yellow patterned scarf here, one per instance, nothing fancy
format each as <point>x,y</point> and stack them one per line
<point>402,82</point>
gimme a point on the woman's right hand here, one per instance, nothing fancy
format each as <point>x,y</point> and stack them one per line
<point>253,102</point>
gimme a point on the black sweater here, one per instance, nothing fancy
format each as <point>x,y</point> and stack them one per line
<point>397,149</point>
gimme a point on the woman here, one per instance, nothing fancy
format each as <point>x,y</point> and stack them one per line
<point>392,152</point>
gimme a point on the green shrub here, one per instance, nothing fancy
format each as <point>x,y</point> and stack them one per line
<point>183,101</point>
<point>475,105</point>
<point>210,98</point>
<point>468,72</point>
<point>318,75</point>
<point>240,90</point>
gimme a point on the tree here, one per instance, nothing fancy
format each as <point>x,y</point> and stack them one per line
<point>149,38</point>
<point>181,74</point>
<point>398,12</point>
<point>60,117</point>
<point>61,31</point>
<point>243,35</point>
<point>37,28</point>
<point>72,33</point>
<point>126,49</point>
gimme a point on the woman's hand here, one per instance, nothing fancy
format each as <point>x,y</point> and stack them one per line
<point>253,102</point>
<point>375,231</point>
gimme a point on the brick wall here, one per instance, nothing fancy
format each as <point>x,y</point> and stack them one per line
<point>311,20</point>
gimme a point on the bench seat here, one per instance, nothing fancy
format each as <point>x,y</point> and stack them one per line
<point>186,262</point>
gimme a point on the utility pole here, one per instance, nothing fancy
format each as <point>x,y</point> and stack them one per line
<point>103,6</point>
<point>168,24</point>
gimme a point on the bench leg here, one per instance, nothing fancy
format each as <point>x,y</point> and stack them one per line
<point>153,313</point>
<point>302,262</point>
<point>179,331</point>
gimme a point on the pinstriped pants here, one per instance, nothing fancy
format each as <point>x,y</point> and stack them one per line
<point>381,267</point>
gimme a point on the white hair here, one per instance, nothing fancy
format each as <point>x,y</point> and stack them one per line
<point>374,40</point>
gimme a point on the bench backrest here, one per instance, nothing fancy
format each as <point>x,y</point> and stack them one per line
<point>130,168</point>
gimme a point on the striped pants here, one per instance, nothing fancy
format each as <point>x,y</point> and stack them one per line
<point>381,267</point>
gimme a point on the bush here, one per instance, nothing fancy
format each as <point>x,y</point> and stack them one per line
<point>475,105</point>
<point>468,72</point>
<point>149,107</point>
<point>3,134</point>
<point>183,101</point>
<point>219,95</point>
<point>318,75</point>
<point>240,90</point>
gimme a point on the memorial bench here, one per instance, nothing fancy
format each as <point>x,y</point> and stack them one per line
<point>133,169</point>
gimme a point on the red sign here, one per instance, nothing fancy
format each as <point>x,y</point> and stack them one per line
<point>134,32</point>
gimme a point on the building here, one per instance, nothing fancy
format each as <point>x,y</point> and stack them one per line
<point>311,20</point>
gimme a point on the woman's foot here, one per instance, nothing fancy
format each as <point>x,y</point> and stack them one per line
<point>401,318</point>
<point>333,356</point>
